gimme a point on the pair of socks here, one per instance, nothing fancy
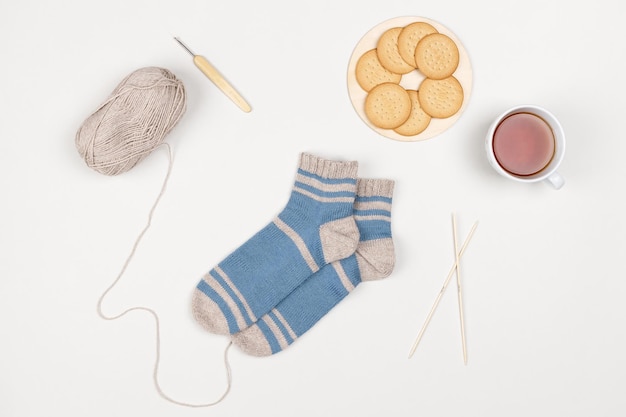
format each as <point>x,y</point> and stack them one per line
<point>334,232</point>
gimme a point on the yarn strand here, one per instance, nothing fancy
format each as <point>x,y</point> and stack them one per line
<point>155,373</point>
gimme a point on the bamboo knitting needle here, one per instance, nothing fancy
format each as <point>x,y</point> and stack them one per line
<point>443,289</point>
<point>212,74</point>
<point>458,285</point>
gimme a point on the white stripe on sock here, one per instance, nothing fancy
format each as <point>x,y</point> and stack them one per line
<point>347,284</point>
<point>374,217</point>
<point>292,334</point>
<point>323,186</point>
<point>324,199</point>
<point>237,293</point>
<point>232,305</point>
<point>297,240</point>
<point>282,342</point>
<point>372,205</point>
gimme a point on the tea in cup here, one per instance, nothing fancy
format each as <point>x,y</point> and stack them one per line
<point>527,144</point>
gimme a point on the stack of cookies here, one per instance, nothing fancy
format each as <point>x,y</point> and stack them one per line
<point>402,50</point>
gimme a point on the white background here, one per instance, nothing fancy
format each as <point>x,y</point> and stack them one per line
<point>544,285</point>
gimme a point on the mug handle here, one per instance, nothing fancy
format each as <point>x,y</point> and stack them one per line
<point>555,180</point>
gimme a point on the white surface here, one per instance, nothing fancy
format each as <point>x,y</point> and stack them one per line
<point>544,279</point>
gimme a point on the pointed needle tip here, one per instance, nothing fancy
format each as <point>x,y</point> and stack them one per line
<point>177,39</point>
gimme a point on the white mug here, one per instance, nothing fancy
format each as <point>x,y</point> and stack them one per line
<point>549,172</point>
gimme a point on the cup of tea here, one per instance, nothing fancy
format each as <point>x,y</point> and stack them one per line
<point>526,143</point>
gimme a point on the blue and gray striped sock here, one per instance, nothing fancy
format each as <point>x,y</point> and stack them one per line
<point>314,229</point>
<point>306,305</point>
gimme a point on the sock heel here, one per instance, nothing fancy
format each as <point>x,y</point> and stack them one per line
<point>339,239</point>
<point>376,259</point>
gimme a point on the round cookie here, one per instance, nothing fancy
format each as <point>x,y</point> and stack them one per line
<point>388,54</point>
<point>440,98</point>
<point>370,73</point>
<point>409,38</point>
<point>437,56</point>
<point>388,106</point>
<point>418,120</point>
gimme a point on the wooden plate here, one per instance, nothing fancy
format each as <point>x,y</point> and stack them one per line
<point>410,81</point>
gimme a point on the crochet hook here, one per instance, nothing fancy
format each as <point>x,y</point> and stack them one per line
<point>213,74</point>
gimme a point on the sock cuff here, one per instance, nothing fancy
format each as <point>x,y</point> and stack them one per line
<point>374,187</point>
<point>328,169</point>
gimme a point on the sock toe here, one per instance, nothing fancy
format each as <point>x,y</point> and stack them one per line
<point>208,314</point>
<point>252,342</point>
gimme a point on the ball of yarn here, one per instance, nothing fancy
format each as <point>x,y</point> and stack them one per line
<point>132,122</point>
